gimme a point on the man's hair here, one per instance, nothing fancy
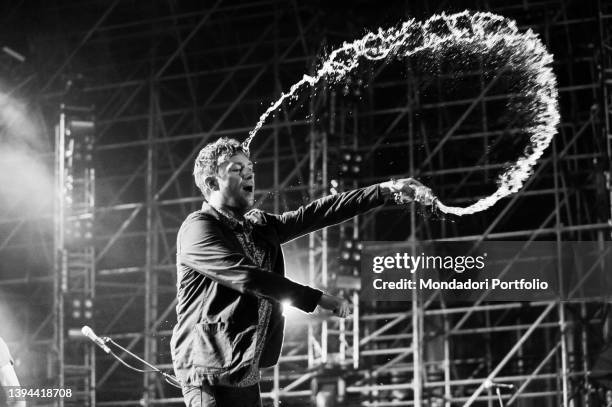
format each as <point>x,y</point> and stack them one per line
<point>207,161</point>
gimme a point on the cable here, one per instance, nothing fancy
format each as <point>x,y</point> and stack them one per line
<point>173,381</point>
<point>124,363</point>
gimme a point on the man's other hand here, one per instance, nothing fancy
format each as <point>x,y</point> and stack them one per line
<point>338,306</point>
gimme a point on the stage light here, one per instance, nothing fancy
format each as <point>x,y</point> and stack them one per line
<point>335,187</point>
<point>285,304</point>
<point>350,254</point>
<point>77,142</point>
<point>88,233</point>
<point>349,262</point>
<point>350,163</point>
<point>297,270</point>
<point>293,316</point>
<point>80,310</point>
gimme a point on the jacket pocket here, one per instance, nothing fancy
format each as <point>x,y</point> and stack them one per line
<point>212,348</point>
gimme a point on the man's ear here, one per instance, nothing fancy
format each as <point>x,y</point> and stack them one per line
<point>211,183</point>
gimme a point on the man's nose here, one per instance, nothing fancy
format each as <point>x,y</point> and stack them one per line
<point>247,173</point>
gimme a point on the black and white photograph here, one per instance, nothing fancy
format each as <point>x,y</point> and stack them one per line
<point>268,203</point>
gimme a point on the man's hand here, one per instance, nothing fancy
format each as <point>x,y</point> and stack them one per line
<point>408,190</point>
<point>339,306</point>
<point>255,216</point>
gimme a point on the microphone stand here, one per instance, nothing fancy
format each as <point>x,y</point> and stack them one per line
<point>489,384</point>
<point>499,396</point>
<point>168,377</point>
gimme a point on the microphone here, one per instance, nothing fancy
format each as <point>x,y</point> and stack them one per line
<point>489,384</point>
<point>88,332</point>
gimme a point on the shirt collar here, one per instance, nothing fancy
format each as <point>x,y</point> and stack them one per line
<point>240,225</point>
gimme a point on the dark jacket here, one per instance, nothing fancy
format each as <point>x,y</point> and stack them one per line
<point>218,286</point>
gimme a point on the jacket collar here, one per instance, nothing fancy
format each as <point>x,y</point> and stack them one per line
<point>226,218</point>
<point>263,231</point>
<point>209,210</point>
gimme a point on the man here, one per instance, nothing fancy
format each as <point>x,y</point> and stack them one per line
<point>230,276</point>
<point>8,378</point>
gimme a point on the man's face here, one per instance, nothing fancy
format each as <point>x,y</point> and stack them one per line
<point>236,181</point>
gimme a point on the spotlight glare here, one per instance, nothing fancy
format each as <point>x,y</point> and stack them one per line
<point>286,306</point>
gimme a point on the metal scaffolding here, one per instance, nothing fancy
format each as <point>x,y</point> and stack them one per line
<point>74,272</point>
<point>175,76</point>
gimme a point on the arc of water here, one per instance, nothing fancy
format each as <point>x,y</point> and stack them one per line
<point>485,31</point>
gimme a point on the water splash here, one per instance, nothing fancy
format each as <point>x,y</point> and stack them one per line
<point>486,32</point>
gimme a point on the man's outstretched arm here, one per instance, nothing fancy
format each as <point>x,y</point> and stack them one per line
<point>334,209</point>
